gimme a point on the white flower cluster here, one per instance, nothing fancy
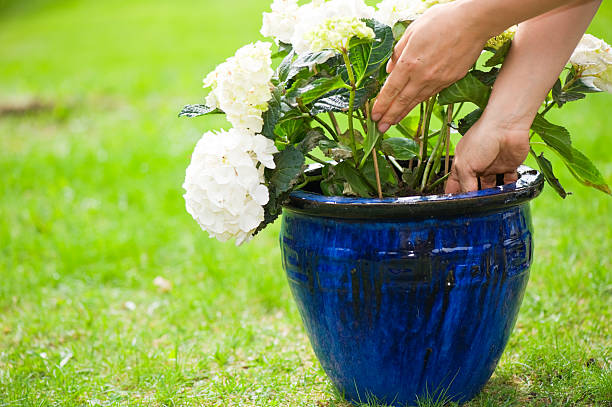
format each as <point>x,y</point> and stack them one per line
<point>390,12</point>
<point>593,58</point>
<point>225,190</point>
<point>335,33</point>
<point>293,24</point>
<point>241,86</point>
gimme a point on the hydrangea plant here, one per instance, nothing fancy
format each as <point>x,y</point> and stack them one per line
<point>330,59</point>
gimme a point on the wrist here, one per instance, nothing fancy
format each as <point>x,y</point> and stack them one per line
<point>479,17</point>
<point>509,120</point>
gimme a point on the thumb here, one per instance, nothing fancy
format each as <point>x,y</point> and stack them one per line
<point>452,185</point>
<point>469,182</point>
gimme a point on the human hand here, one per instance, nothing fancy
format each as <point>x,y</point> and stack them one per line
<point>436,50</point>
<point>489,148</point>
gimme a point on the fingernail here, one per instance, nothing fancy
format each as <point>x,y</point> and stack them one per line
<point>383,127</point>
<point>376,116</point>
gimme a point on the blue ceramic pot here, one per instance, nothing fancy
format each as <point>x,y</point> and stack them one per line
<point>412,297</point>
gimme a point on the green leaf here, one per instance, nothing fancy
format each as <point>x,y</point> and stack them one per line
<point>468,89</point>
<point>272,116</point>
<point>486,77</point>
<point>283,50</point>
<point>547,171</point>
<point>556,137</point>
<point>302,66</point>
<point>289,166</point>
<point>561,97</point>
<point>469,120</point>
<point>585,171</point>
<point>400,148</point>
<point>293,130</point>
<point>371,140</point>
<point>335,151</point>
<point>399,29</point>
<point>311,59</point>
<point>198,110</point>
<point>408,126</point>
<point>320,87</point>
<point>367,57</point>
<point>284,68</point>
<point>387,179</point>
<point>295,90</point>
<point>312,140</point>
<point>338,100</point>
<point>345,171</point>
<point>499,55</point>
<point>331,185</point>
<point>576,85</point>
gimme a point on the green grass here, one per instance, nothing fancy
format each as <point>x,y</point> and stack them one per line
<point>91,212</point>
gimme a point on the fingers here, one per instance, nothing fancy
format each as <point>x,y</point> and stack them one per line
<point>467,183</point>
<point>462,180</point>
<point>400,107</point>
<point>395,84</point>
<point>510,177</point>
<point>397,51</point>
<point>488,181</point>
<point>452,185</point>
<point>422,96</point>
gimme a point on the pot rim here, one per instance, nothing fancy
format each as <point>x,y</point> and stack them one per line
<point>529,185</point>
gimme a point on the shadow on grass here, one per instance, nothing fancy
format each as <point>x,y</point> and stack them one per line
<point>499,392</point>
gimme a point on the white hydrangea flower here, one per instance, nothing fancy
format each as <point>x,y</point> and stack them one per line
<point>224,188</point>
<point>241,86</point>
<point>593,58</point>
<point>390,12</point>
<point>292,25</point>
<point>280,23</point>
<point>335,33</point>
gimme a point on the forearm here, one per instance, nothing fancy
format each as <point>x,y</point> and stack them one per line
<point>494,16</point>
<point>540,51</point>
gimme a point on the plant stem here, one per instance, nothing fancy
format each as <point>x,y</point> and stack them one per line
<point>395,164</point>
<point>425,128</point>
<point>425,134</point>
<point>458,111</point>
<point>364,125</point>
<point>307,114</point>
<point>351,75</point>
<point>434,155</point>
<point>438,182</point>
<point>334,121</point>
<point>308,180</point>
<point>315,159</point>
<point>550,106</point>
<point>377,173</point>
<point>449,118</point>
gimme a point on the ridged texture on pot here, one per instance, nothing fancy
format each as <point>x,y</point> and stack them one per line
<point>400,308</point>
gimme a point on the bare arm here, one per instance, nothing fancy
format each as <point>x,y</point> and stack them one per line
<point>499,142</point>
<point>440,47</point>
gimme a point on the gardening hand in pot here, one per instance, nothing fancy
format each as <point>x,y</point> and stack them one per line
<point>499,142</point>
<point>440,47</point>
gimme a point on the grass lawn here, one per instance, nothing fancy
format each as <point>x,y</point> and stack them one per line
<point>92,159</point>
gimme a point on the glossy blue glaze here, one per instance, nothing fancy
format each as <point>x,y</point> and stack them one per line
<point>401,308</point>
